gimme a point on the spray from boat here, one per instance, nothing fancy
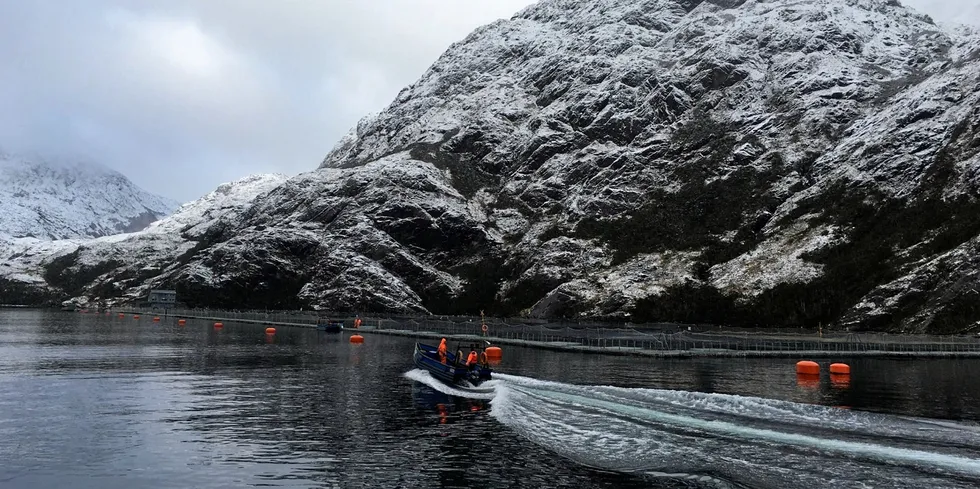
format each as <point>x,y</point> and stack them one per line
<point>486,392</point>
<point>723,440</point>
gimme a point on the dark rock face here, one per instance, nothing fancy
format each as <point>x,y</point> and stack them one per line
<point>71,277</point>
<point>752,163</point>
<point>14,292</point>
<point>139,222</point>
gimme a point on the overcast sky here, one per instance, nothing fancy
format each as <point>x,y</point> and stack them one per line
<point>182,95</point>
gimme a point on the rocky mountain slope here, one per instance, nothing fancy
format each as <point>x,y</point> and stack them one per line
<point>119,267</point>
<point>773,163</point>
<point>50,199</point>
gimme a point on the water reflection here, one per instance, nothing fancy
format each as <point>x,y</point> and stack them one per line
<point>449,408</point>
<point>840,381</point>
<point>807,381</point>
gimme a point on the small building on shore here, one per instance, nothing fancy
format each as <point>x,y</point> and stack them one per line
<point>166,299</point>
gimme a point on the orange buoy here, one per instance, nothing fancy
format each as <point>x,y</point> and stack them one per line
<point>136,316</point>
<point>840,369</point>
<point>219,325</point>
<point>494,353</point>
<point>807,367</point>
<point>270,330</point>
<point>121,315</point>
<point>156,319</point>
<point>181,322</point>
<point>357,339</point>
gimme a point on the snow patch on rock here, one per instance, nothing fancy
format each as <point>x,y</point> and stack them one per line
<point>778,260</point>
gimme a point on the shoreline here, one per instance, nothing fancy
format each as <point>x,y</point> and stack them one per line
<point>577,347</point>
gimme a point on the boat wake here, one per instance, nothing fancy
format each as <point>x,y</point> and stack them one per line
<point>722,440</point>
<point>484,392</point>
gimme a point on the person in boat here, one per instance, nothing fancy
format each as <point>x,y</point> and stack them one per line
<point>472,358</point>
<point>441,351</point>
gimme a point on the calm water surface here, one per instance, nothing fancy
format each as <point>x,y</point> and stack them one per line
<point>91,401</point>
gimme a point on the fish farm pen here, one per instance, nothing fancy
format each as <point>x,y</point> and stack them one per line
<point>611,337</point>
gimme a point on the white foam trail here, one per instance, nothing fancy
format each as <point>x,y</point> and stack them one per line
<point>752,441</point>
<point>424,377</point>
<point>880,452</point>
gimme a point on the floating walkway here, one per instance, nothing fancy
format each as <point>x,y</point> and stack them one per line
<point>706,345</point>
<point>568,346</point>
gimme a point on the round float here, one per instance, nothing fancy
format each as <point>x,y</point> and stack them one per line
<point>494,353</point>
<point>219,325</point>
<point>840,369</point>
<point>270,330</point>
<point>356,338</point>
<point>806,367</point>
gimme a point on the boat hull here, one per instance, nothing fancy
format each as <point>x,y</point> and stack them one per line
<point>331,327</point>
<point>451,372</point>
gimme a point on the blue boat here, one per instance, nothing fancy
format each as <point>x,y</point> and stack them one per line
<point>454,372</point>
<point>331,326</point>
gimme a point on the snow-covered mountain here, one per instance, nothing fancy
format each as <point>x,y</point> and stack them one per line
<point>122,265</point>
<point>753,162</point>
<point>57,199</point>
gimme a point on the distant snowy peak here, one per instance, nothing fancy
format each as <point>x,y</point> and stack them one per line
<point>36,271</point>
<point>62,199</point>
<point>227,197</point>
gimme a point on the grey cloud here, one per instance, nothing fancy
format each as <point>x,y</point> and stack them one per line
<point>181,95</point>
<point>949,11</point>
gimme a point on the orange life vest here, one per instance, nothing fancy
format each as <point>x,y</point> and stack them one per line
<point>442,350</point>
<point>471,359</point>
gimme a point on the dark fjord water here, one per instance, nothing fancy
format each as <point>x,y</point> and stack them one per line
<point>99,402</point>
